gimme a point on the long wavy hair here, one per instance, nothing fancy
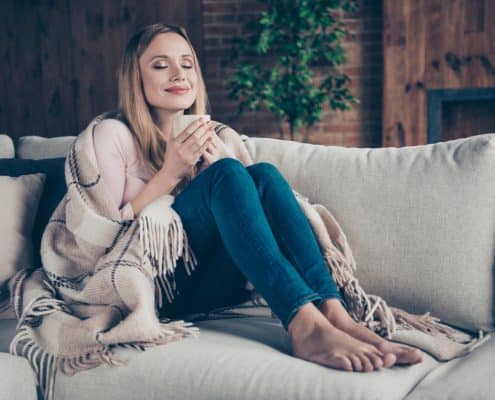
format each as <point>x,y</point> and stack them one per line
<point>133,108</point>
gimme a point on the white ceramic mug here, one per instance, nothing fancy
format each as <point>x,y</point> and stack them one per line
<point>181,122</point>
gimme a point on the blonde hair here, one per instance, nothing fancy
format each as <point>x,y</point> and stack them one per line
<point>132,103</point>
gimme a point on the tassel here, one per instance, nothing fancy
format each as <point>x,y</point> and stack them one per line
<point>428,324</point>
<point>39,307</point>
<point>46,364</point>
<point>41,361</point>
<point>162,243</point>
<point>4,305</point>
<point>16,283</point>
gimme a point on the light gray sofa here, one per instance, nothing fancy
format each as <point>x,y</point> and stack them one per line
<point>421,223</point>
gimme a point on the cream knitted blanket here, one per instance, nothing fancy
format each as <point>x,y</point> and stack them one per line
<point>103,279</point>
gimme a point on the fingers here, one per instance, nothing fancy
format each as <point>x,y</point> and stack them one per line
<point>194,148</point>
<point>196,129</point>
<point>201,150</point>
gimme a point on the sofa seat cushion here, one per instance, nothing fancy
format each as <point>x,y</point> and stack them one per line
<point>464,378</point>
<point>17,381</point>
<point>420,220</point>
<point>249,358</point>
<point>53,191</point>
<point>237,359</point>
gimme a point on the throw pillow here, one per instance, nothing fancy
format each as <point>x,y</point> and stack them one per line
<point>54,190</point>
<point>20,198</point>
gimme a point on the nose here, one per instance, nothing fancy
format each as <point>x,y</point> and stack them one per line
<point>178,74</point>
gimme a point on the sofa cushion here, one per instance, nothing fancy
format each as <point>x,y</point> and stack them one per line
<point>38,147</point>
<point>241,359</point>
<point>469,377</point>
<point>248,358</point>
<point>17,381</point>
<point>20,198</point>
<point>6,147</point>
<point>54,190</point>
<point>420,220</point>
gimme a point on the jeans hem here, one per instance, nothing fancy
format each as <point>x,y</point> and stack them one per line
<point>304,300</point>
<point>332,296</point>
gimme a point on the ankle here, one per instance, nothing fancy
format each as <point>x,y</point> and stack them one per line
<point>333,309</point>
<point>307,318</point>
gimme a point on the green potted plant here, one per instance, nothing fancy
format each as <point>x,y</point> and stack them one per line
<point>277,59</point>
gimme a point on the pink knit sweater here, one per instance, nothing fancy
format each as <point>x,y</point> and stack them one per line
<point>120,169</point>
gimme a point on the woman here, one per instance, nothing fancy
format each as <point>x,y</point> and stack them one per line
<point>235,214</point>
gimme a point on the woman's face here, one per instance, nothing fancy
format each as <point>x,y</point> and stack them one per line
<point>168,73</point>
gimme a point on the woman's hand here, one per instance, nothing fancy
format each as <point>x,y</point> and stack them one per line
<point>186,149</point>
<point>215,150</point>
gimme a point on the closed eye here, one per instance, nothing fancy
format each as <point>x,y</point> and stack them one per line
<point>166,66</point>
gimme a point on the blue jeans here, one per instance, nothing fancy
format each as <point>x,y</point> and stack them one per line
<point>244,223</point>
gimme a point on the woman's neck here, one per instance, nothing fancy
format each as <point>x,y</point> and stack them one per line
<point>163,120</point>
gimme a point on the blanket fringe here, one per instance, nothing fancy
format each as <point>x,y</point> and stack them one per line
<point>476,342</point>
<point>44,363</point>
<point>4,304</point>
<point>432,326</point>
<point>374,313</point>
<point>370,310</point>
<point>163,244</point>
<point>16,283</point>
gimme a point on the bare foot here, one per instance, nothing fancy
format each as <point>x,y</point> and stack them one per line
<point>337,315</point>
<point>315,339</point>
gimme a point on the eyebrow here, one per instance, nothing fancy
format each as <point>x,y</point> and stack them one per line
<point>165,56</point>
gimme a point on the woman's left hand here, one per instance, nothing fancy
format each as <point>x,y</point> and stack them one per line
<point>215,151</point>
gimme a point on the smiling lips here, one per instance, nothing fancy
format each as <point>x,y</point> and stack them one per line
<point>177,89</point>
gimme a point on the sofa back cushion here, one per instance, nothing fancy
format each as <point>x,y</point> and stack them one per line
<point>38,147</point>
<point>6,147</point>
<point>53,191</point>
<point>420,220</point>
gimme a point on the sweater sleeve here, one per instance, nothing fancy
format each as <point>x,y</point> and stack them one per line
<point>113,142</point>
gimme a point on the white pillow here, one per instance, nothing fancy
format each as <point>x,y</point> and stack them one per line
<point>20,198</point>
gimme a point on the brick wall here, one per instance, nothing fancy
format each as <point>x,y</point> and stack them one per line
<point>224,19</point>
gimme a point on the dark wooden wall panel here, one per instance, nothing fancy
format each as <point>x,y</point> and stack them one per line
<point>432,44</point>
<point>56,61</point>
<point>60,57</point>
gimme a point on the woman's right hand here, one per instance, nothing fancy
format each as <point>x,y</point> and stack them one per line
<point>185,150</point>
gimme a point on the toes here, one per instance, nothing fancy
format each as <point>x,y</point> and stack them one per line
<point>344,363</point>
<point>418,356</point>
<point>409,356</point>
<point>356,362</point>
<point>375,360</point>
<point>389,360</point>
<point>374,350</point>
<point>367,365</point>
<point>404,355</point>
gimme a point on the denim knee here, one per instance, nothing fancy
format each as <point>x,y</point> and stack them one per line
<point>226,171</point>
<point>226,165</point>
<point>264,171</point>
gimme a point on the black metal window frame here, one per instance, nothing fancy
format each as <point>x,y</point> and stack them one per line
<point>436,98</point>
